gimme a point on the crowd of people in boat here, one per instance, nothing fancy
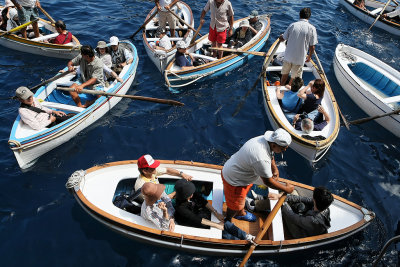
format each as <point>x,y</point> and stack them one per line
<point>95,69</point>
<point>302,216</point>
<point>392,15</point>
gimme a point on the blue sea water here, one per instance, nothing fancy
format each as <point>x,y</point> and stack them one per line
<point>42,225</point>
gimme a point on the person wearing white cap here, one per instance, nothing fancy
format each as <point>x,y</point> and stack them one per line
<point>254,22</point>
<point>28,11</point>
<point>242,35</point>
<point>34,114</point>
<point>180,58</point>
<point>5,14</point>
<point>13,20</point>
<point>120,56</point>
<point>254,160</point>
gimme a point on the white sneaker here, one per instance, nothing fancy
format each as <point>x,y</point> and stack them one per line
<point>250,204</point>
<point>256,196</point>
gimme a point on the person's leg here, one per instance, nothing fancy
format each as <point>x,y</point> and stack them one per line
<point>221,38</point>
<point>171,23</point>
<point>230,214</point>
<point>213,39</point>
<point>22,19</point>
<point>285,72</point>
<point>162,19</point>
<point>34,15</point>
<point>220,53</point>
<point>235,231</point>
<point>75,96</point>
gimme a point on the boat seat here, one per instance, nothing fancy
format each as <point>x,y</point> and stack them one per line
<point>171,39</point>
<point>45,37</point>
<point>279,68</point>
<point>376,11</point>
<point>176,29</point>
<point>277,222</point>
<point>60,106</point>
<point>393,99</point>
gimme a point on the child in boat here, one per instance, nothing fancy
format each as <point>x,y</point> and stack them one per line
<point>289,101</point>
<point>312,98</point>
<point>150,169</point>
<point>157,207</point>
<point>193,210</point>
<point>180,58</point>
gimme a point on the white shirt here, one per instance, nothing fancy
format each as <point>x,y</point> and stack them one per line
<point>27,3</point>
<point>253,160</point>
<point>300,36</point>
<point>36,121</point>
<point>165,43</point>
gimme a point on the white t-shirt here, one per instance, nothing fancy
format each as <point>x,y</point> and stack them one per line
<point>253,160</point>
<point>300,36</point>
<point>165,43</point>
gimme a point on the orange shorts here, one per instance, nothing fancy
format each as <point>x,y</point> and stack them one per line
<point>235,196</point>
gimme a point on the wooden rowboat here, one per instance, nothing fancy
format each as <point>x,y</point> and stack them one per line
<point>28,144</point>
<point>159,57</point>
<point>312,150</point>
<point>37,46</point>
<point>373,85</point>
<point>95,189</point>
<point>175,77</point>
<point>373,9</point>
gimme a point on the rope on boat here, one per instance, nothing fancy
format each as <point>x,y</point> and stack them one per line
<point>280,246</point>
<point>75,179</point>
<point>16,144</point>
<point>181,240</point>
<point>388,243</point>
<point>350,57</point>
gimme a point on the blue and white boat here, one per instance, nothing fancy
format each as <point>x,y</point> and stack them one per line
<point>373,85</point>
<point>28,144</point>
<point>175,77</point>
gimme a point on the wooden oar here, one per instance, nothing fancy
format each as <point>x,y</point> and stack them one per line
<point>261,54</point>
<point>135,97</point>
<point>264,229</point>
<point>182,21</point>
<point>264,68</point>
<point>58,76</point>
<point>397,111</point>
<point>18,28</point>
<point>196,33</point>
<point>149,19</point>
<point>321,71</point>
<point>380,14</point>
<point>47,15</point>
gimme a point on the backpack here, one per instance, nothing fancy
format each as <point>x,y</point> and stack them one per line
<point>129,202</point>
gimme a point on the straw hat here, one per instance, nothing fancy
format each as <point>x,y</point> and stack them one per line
<point>152,192</point>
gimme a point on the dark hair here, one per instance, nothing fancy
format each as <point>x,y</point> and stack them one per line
<point>305,13</point>
<point>296,84</point>
<point>60,24</point>
<point>322,197</point>
<point>319,85</point>
<point>87,50</point>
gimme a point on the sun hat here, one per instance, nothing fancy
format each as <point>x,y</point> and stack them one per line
<point>23,93</point>
<point>152,192</point>
<point>114,40</point>
<point>8,3</point>
<point>147,161</point>
<point>253,14</point>
<point>279,137</point>
<point>160,30</point>
<point>244,23</point>
<point>101,44</point>
<point>181,44</point>
<point>12,13</point>
<point>184,189</point>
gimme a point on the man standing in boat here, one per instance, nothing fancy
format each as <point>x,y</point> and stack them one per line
<point>301,37</point>
<point>254,160</point>
<point>221,20</point>
<point>28,11</point>
<point>164,15</point>
<point>91,74</point>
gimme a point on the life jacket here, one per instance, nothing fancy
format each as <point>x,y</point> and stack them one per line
<point>118,56</point>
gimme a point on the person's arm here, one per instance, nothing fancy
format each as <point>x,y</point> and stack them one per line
<point>230,19</point>
<point>275,184</point>
<point>310,52</point>
<point>215,212</point>
<point>38,4</point>
<point>274,169</point>
<point>175,172</point>
<point>304,222</point>
<point>79,88</point>
<point>302,93</point>
<point>129,58</point>
<point>326,115</point>
<point>295,119</point>
<point>16,4</point>
<point>281,38</point>
<point>253,30</point>
<point>279,94</point>
<point>204,12</point>
<point>212,224</point>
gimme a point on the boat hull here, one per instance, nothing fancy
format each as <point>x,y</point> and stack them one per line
<point>359,91</point>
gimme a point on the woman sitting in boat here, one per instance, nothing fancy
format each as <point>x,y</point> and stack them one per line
<point>360,4</point>
<point>193,210</point>
<point>164,43</point>
<point>180,58</point>
<point>157,207</point>
<point>102,53</point>
<point>304,216</point>
<point>34,114</point>
<point>5,14</point>
<point>13,20</point>
<point>289,101</point>
<point>305,124</point>
<point>64,36</point>
<point>242,35</point>
<point>312,98</point>
<point>150,169</point>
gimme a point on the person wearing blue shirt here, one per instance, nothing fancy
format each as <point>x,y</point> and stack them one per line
<point>289,101</point>
<point>180,58</point>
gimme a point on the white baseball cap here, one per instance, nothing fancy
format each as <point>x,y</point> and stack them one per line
<point>280,137</point>
<point>114,40</point>
<point>181,44</point>
<point>244,23</point>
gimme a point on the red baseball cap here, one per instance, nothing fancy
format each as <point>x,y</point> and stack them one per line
<point>147,161</point>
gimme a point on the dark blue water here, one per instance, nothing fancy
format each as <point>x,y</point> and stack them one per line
<point>41,224</point>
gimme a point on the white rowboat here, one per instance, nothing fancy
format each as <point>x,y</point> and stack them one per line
<point>28,144</point>
<point>372,84</point>
<point>95,189</point>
